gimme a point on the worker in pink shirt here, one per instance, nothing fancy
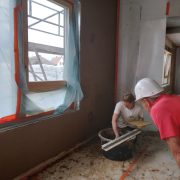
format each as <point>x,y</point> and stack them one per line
<point>164,110</point>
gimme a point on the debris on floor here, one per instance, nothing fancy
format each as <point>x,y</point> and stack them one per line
<point>151,160</point>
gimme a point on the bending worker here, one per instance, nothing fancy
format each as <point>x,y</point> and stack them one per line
<point>164,110</point>
<point>125,110</point>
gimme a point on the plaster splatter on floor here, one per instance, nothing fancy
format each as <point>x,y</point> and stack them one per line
<point>157,163</point>
<point>88,163</point>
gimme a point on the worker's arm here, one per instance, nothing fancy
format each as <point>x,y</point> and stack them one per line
<point>114,124</point>
<point>174,146</point>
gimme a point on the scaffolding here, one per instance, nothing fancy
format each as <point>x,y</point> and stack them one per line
<point>37,48</point>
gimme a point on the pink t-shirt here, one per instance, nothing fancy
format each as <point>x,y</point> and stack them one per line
<point>165,113</point>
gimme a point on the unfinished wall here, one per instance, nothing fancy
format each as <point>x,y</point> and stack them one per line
<point>142,27</point>
<point>142,40</point>
<point>177,72</point>
<point>175,12</point>
<point>25,147</point>
<point>174,8</point>
<point>129,28</point>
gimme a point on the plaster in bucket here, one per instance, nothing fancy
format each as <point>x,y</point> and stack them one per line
<point>120,152</point>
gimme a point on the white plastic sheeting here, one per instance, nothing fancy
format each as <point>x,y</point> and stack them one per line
<point>31,102</point>
<point>151,50</point>
<point>71,71</point>
<point>142,42</point>
<point>58,100</point>
<point>8,87</point>
<point>46,101</point>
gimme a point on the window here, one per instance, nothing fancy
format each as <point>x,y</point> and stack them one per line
<point>166,79</point>
<point>45,56</point>
<point>46,25</point>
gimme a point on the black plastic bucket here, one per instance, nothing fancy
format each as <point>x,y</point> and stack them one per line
<point>121,152</point>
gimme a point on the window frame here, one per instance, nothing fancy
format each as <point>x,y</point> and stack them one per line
<point>42,86</point>
<point>170,69</point>
<point>169,87</point>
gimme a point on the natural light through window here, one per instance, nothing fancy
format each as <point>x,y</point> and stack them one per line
<point>46,40</point>
<point>166,79</point>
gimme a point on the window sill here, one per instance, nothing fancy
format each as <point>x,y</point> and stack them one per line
<point>30,121</point>
<point>46,86</point>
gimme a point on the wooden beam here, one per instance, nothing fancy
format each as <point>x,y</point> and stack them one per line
<point>45,49</point>
<point>44,86</point>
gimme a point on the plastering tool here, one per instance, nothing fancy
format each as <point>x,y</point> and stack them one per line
<point>126,137</point>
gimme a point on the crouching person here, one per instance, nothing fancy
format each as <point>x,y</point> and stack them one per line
<point>124,110</point>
